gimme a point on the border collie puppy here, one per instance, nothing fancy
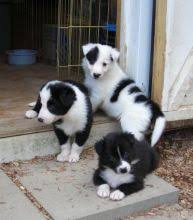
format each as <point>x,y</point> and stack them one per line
<point>111,90</point>
<point>66,105</point>
<point>123,164</point>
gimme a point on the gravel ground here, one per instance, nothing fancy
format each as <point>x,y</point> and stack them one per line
<point>174,212</point>
<point>176,163</point>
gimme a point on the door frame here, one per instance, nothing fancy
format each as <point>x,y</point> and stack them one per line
<point>158,66</point>
<point>159,51</point>
<point>136,40</point>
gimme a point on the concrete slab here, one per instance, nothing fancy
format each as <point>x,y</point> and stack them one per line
<point>13,203</point>
<point>66,191</point>
<point>25,147</point>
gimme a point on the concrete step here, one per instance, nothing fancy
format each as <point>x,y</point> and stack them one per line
<point>27,146</point>
<point>14,205</point>
<point>66,190</point>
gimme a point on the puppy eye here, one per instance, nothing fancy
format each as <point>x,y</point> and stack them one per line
<point>50,103</point>
<point>112,159</point>
<point>126,155</point>
<point>104,64</point>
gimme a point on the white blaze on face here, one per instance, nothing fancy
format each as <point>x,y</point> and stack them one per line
<point>124,166</point>
<point>103,63</point>
<point>44,113</point>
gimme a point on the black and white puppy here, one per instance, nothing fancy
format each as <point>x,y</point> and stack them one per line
<point>124,162</point>
<point>66,105</point>
<point>112,91</point>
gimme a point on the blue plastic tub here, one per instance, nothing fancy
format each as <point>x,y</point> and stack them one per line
<point>21,57</point>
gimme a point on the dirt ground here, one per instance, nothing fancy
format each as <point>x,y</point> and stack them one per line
<point>174,212</point>
<point>176,163</point>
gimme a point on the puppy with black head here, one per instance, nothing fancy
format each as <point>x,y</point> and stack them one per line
<point>66,105</point>
<point>124,162</point>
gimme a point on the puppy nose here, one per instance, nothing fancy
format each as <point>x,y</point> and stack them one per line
<point>123,170</point>
<point>40,120</point>
<point>96,75</point>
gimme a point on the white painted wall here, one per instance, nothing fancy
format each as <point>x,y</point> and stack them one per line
<point>135,47</point>
<point>135,40</point>
<point>178,74</point>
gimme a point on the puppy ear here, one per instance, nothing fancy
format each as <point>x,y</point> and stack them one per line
<point>42,87</point>
<point>67,97</point>
<point>99,146</point>
<point>114,54</point>
<point>129,137</point>
<point>87,47</point>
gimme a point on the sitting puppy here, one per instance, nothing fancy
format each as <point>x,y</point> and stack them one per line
<point>111,90</point>
<point>123,164</point>
<point>66,105</point>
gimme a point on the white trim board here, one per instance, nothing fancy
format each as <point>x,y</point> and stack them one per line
<point>179,115</point>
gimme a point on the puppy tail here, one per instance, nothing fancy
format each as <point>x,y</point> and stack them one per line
<point>158,129</point>
<point>159,123</point>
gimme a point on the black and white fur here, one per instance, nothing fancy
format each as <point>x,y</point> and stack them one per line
<point>66,105</point>
<point>112,91</point>
<point>123,164</point>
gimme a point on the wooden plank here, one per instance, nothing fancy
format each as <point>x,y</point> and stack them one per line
<point>179,124</point>
<point>159,51</point>
<point>118,24</point>
<point>24,83</point>
<point>20,126</point>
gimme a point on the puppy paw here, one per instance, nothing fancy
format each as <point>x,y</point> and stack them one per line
<point>74,157</point>
<point>117,195</point>
<point>32,104</point>
<point>103,191</point>
<point>31,114</point>
<point>62,157</point>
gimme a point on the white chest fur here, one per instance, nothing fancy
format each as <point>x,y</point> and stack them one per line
<point>114,179</point>
<point>70,126</point>
<point>102,90</point>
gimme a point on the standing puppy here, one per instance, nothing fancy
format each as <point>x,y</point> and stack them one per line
<point>66,105</point>
<point>112,91</point>
<point>123,164</point>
